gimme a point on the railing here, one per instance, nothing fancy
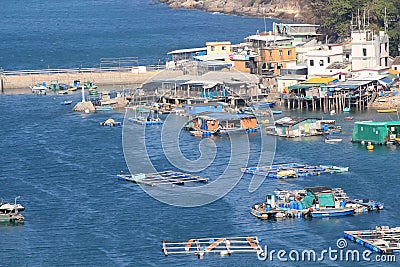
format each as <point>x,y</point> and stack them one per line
<point>67,71</point>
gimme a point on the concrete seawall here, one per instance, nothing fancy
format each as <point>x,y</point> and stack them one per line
<point>24,81</point>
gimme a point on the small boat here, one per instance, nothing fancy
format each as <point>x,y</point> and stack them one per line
<point>62,92</point>
<point>9,213</point>
<point>346,109</point>
<point>277,112</point>
<point>104,108</point>
<point>387,110</point>
<point>332,140</point>
<point>370,204</point>
<point>332,212</point>
<point>348,118</point>
<point>66,102</point>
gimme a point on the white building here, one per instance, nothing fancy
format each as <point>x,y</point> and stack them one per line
<point>369,51</point>
<point>318,60</point>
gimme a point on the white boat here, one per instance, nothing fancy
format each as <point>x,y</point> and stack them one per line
<point>332,140</point>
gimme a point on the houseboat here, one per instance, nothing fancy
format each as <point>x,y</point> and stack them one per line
<point>376,132</point>
<point>219,123</point>
<point>297,127</point>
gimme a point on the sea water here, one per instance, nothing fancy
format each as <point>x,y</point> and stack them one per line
<point>64,164</point>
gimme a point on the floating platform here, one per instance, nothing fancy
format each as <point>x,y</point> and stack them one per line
<point>162,178</point>
<point>293,170</point>
<point>223,246</point>
<point>382,240</point>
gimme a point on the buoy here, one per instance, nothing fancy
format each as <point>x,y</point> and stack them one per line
<point>370,147</point>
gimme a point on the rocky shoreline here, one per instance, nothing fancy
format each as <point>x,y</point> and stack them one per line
<point>287,10</point>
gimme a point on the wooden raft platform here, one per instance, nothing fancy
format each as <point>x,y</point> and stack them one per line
<point>297,169</point>
<point>223,246</point>
<point>382,240</point>
<point>162,178</point>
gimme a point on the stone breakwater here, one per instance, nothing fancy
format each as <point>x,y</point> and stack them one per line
<point>298,10</point>
<point>104,78</point>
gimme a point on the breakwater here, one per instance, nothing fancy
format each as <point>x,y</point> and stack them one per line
<point>10,80</point>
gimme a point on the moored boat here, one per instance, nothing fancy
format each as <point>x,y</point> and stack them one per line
<point>387,110</point>
<point>66,102</point>
<point>332,140</point>
<point>332,212</point>
<point>10,213</point>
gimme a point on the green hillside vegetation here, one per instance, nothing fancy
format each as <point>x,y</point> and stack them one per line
<point>337,15</point>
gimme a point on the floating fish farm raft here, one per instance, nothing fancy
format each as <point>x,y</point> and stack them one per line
<point>223,246</point>
<point>162,178</point>
<point>382,240</point>
<point>293,170</point>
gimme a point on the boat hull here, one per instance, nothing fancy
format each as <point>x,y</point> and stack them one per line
<point>331,213</point>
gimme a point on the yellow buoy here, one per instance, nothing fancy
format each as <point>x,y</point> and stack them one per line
<point>370,147</point>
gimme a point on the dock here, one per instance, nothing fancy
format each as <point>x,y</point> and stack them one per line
<point>383,239</point>
<point>223,246</point>
<point>162,178</point>
<point>293,170</point>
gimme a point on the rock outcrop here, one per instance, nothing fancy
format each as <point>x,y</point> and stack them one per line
<point>289,10</point>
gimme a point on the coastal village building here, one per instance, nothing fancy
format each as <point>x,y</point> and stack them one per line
<point>369,51</point>
<point>301,33</point>
<point>274,53</point>
<point>395,68</point>
<point>319,60</point>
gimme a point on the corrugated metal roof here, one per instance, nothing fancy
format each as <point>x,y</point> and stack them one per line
<point>320,80</point>
<point>225,116</point>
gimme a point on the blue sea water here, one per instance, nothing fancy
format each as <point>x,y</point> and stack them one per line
<point>68,34</point>
<point>63,164</point>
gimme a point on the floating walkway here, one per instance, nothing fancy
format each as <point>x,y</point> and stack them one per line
<point>293,170</point>
<point>223,246</point>
<point>162,178</point>
<point>382,240</point>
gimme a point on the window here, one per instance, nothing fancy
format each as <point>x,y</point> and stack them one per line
<point>329,60</point>
<point>289,52</point>
<point>340,77</point>
<point>364,52</point>
<point>311,62</point>
<point>223,47</point>
<point>280,53</point>
<point>270,53</point>
<point>247,65</point>
<point>321,62</point>
<point>212,48</point>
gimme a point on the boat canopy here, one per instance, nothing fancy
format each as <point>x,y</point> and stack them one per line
<point>326,200</point>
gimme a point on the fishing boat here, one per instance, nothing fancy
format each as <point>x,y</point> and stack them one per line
<point>62,92</point>
<point>387,110</point>
<point>332,212</point>
<point>346,109</point>
<point>145,116</point>
<point>276,112</point>
<point>10,213</point>
<point>348,118</point>
<point>66,102</point>
<point>332,140</point>
<point>104,108</point>
<point>368,203</point>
